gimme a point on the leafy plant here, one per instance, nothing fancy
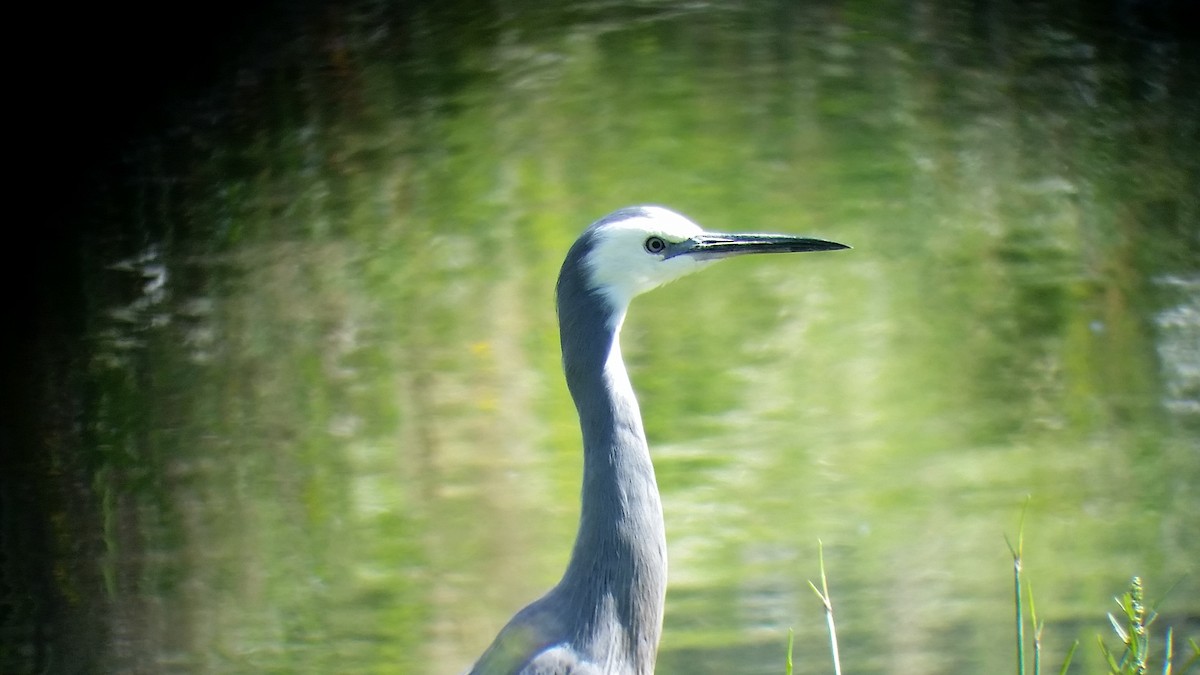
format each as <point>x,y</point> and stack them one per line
<point>1133,628</point>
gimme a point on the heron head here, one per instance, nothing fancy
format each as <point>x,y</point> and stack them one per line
<point>637,249</point>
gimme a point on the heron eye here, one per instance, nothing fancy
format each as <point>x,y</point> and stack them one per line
<point>655,245</point>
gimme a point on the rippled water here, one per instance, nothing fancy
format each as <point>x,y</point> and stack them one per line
<point>315,421</point>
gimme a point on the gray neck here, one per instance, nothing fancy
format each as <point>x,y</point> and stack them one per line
<point>616,579</point>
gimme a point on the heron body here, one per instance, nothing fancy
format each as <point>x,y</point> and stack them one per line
<point>604,616</point>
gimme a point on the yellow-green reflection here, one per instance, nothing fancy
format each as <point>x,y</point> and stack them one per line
<point>334,437</point>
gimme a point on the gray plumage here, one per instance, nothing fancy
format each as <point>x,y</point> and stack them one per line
<point>604,616</point>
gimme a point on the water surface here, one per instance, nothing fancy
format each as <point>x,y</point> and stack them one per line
<point>321,425</point>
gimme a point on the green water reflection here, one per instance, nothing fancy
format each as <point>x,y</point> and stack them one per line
<point>327,431</point>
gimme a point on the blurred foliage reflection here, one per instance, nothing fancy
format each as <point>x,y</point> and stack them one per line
<point>321,425</point>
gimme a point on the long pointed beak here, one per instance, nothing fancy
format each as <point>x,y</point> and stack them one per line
<point>711,245</point>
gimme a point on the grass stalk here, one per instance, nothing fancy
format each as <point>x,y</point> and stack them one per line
<point>826,601</point>
<point>791,643</point>
<point>1017,553</point>
<point>1067,661</point>
<point>1037,632</point>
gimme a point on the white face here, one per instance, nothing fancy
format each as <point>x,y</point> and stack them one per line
<point>624,265</point>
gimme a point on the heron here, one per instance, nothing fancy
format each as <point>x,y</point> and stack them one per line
<point>604,616</point>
